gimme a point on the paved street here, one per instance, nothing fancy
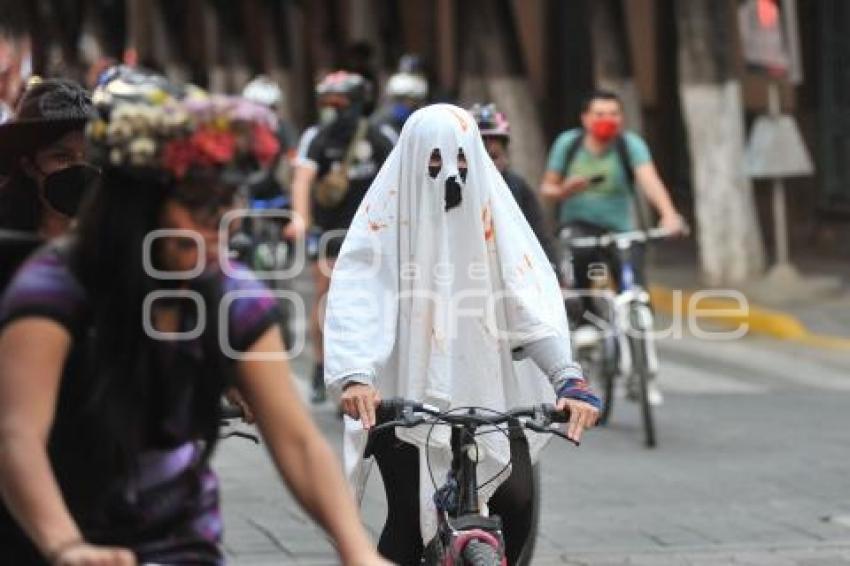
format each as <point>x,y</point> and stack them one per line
<point>752,468</point>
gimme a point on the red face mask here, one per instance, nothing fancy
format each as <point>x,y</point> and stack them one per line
<point>605,129</point>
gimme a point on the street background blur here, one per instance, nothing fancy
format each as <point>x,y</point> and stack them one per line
<point>752,463</point>
<point>534,58</point>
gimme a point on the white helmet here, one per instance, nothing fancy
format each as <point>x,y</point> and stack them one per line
<point>263,90</point>
<point>407,85</point>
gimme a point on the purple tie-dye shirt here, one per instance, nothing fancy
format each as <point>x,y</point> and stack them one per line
<point>174,489</point>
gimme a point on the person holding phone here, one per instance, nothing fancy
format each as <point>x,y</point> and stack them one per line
<point>593,174</point>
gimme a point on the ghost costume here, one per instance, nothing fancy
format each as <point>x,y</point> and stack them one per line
<point>439,279</point>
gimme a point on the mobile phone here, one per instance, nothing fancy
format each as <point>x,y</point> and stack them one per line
<point>596,179</point>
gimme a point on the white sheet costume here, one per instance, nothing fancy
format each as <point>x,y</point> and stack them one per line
<point>427,300</point>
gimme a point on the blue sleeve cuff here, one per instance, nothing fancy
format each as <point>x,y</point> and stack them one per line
<point>579,390</point>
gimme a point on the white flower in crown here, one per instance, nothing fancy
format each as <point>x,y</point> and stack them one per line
<point>119,131</point>
<point>125,111</point>
<point>174,120</point>
<point>142,151</point>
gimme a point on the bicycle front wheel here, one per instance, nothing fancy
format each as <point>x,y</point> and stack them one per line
<point>479,553</point>
<point>641,372</point>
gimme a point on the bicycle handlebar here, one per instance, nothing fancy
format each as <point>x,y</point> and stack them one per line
<point>618,238</point>
<point>397,412</point>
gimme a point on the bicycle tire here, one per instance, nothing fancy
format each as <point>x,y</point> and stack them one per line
<point>607,398</point>
<point>641,370</point>
<point>479,553</point>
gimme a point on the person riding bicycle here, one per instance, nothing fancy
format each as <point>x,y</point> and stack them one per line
<point>496,131</point>
<point>43,160</point>
<point>443,295</point>
<point>269,184</point>
<point>343,159</point>
<point>405,92</point>
<point>592,174</point>
<point>327,113</point>
<point>112,360</point>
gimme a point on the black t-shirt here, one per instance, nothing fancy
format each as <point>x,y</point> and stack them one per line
<point>327,150</point>
<point>530,206</point>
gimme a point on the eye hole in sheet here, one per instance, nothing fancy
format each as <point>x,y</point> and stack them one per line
<point>462,166</point>
<point>435,163</point>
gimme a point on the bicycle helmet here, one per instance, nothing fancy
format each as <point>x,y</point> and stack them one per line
<point>491,122</point>
<point>407,85</point>
<point>351,85</point>
<point>263,90</point>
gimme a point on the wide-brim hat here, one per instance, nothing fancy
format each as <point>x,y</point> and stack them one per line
<point>48,110</point>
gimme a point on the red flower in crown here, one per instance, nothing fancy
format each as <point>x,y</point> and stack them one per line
<point>265,144</point>
<point>178,155</point>
<point>213,147</point>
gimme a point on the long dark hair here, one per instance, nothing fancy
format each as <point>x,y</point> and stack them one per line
<point>106,257</point>
<point>20,207</point>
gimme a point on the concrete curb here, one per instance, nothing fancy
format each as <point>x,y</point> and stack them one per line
<point>733,309</point>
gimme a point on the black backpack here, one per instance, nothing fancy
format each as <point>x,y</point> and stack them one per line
<point>625,161</point>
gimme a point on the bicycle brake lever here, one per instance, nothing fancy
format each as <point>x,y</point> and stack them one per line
<point>538,428</point>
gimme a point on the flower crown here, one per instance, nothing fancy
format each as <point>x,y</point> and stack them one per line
<point>179,135</point>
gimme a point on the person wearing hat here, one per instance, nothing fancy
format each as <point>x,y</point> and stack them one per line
<point>43,163</point>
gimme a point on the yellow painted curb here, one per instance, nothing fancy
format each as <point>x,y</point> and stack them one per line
<point>733,309</point>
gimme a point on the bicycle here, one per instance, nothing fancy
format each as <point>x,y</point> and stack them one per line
<point>625,346</point>
<point>260,245</point>
<point>465,536</point>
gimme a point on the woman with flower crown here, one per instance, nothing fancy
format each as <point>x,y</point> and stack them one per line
<point>117,342</point>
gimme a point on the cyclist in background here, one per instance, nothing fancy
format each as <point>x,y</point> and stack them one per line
<point>405,93</point>
<point>272,183</point>
<point>496,132</point>
<point>342,159</point>
<point>593,174</point>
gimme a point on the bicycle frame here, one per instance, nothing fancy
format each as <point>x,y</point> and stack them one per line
<point>463,443</point>
<point>455,532</point>
<point>465,523</point>
<point>631,312</point>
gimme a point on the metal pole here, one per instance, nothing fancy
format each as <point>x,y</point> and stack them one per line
<point>780,216</point>
<point>780,222</point>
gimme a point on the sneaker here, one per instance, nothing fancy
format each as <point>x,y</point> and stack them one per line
<point>319,392</point>
<point>656,398</point>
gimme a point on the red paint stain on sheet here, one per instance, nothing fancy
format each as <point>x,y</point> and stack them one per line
<point>460,118</point>
<point>487,221</point>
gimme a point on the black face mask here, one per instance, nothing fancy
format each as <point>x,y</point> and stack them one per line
<point>453,193</point>
<point>64,189</point>
<point>343,126</point>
